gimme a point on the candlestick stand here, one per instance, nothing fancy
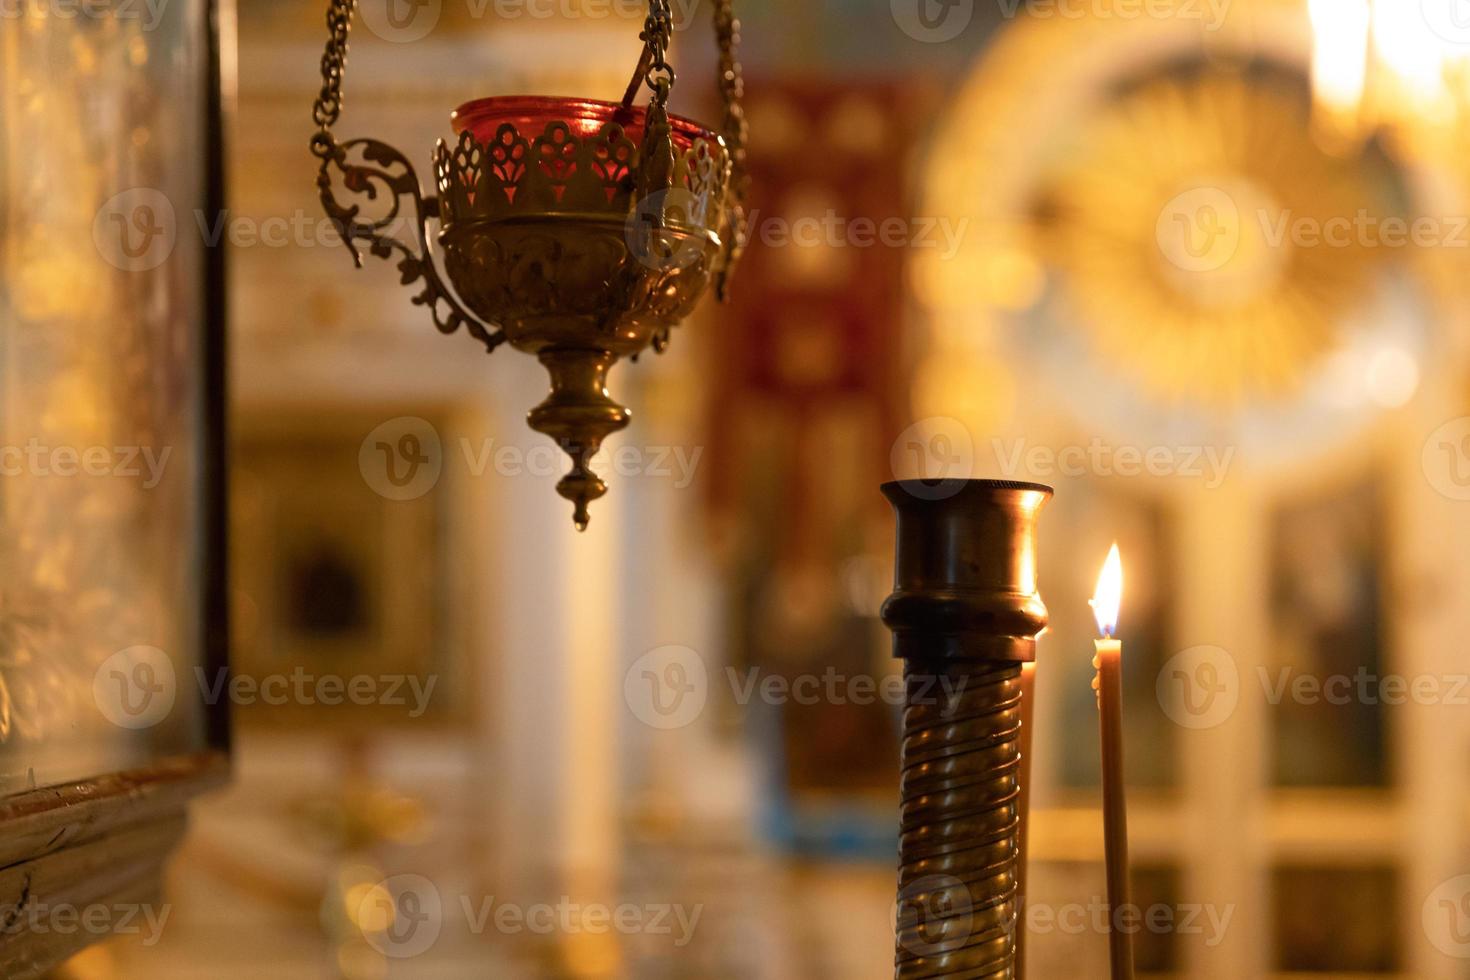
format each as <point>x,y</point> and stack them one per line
<point>965,614</point>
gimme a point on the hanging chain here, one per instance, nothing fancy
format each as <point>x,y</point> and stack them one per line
<point>658,34</point>
<point>653,67</point>
<point>328,107</point>
<point>732,83</point>
<point>736,131</point>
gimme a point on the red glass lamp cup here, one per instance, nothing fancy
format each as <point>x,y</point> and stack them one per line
<point>533,113</point>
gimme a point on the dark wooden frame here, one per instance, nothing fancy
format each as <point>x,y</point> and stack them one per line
<point>105,840</point>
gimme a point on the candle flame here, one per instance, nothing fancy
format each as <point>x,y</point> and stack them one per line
<point>1109,595</point>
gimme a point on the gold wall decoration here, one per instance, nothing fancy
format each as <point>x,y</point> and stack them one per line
<point>1191,230</point>
<point>1152,231</point>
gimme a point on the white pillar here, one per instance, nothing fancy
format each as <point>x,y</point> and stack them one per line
<point>552,683</point>
<point>1220,604</point>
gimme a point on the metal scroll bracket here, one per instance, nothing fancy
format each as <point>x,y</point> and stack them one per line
<point>384,171</point>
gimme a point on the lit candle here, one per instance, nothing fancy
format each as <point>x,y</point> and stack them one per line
<point>1109,687</point>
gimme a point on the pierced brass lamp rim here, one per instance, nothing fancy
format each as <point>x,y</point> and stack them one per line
<point>676,223</point>
<point>592,114</point>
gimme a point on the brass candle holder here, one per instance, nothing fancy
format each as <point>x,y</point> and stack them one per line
<point>965,614</point>
<point>581,232</point>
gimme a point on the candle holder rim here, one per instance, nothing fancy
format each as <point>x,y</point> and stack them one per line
<point>924,488</point>
<point>562,108</point>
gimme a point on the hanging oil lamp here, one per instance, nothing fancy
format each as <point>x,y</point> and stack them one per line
<point>579,231</point>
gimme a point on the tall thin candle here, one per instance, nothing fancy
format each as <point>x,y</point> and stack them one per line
<point>1109,686</point>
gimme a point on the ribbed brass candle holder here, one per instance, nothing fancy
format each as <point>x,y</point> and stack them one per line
<point>965,614</point>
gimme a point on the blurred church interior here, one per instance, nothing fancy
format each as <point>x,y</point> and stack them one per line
<point>1112,269</point>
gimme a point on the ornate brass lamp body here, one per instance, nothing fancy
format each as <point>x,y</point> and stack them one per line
<point>579,231</point>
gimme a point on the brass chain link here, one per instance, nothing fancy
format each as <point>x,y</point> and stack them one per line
<point>732,81</point>
<point>653,67</point>
<point>732,87</point>
<point>658,34</point>
<point>328,107</point>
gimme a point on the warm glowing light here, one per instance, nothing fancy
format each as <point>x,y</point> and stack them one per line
<point>1340,53</point>
<point>1393,377</point>
<point>1109,595</point>
<point>1386,62</point>
<point>1409,48</point>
